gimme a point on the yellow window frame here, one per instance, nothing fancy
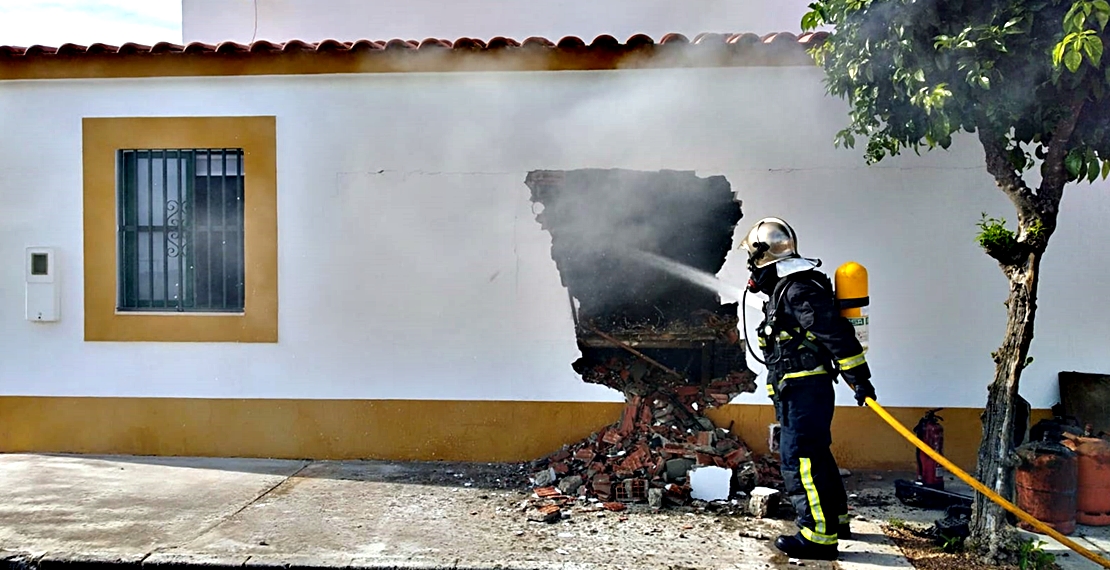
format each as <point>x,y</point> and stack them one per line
<point>102,138</point>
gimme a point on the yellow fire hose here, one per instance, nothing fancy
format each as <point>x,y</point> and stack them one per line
<point>909,435</point>
<point>852,295</point>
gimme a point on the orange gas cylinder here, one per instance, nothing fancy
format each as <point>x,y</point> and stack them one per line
<point>1045,483</point>
<point>1094,480</point>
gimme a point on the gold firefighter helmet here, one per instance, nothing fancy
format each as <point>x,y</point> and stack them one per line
<point>770,241</point>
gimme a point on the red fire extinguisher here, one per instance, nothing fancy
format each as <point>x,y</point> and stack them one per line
<point>931,432</point>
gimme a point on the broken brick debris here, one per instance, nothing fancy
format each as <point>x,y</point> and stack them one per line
<point>548,492</point>
<point>550,513</point>
<point>621,463</point>
<point>586,455</point>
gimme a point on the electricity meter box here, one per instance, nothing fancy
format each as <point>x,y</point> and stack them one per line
<point>42,285</point>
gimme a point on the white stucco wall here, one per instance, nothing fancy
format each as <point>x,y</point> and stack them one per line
<point>213,21</point>
<point>411,265</point>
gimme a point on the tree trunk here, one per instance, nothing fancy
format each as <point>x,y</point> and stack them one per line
<point>991,533</point>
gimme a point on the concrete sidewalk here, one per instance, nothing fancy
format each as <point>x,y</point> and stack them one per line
<point>186,512</point>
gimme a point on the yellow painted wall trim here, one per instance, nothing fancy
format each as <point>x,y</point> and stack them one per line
<point>410,429</point>
<point>102,138</point>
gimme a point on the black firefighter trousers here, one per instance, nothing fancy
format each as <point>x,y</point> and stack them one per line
<point>804,410</point>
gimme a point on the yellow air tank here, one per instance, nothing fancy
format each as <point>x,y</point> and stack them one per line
<point>852,297</point>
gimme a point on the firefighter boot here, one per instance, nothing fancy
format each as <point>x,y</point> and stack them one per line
<point>797,546</point>
<point>843,529</point>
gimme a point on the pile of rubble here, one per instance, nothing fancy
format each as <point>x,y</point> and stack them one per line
<point>649,454</point>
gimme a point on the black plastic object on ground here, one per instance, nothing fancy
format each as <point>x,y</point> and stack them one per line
<point>955,526</point>
<point>914,494</point>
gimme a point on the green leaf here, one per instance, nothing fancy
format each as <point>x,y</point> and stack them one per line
<point>1058,53</point>
<point>1093,48</point>
<point>1072,60</point>
<point>810,21</point>
<point>919,76</point>
<point>1092,169</point>
<point>1102,12</point>
<point>1075,22</point>
<point>1105,169</point>
<point>1075,9</point>
<point>1073,163</point>
<point>984,82</point>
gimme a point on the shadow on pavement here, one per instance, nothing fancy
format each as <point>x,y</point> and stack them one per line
<point>504,476</point>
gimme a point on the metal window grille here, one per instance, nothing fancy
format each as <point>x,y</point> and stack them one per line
<point>180,233</point>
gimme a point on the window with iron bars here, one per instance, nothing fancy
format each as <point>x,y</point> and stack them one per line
<point>180,233</point>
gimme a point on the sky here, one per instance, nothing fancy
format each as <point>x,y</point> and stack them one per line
<point>115,22</point>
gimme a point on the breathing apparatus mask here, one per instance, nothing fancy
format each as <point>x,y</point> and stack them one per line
<point>762,279</point>
<point>770,241</point>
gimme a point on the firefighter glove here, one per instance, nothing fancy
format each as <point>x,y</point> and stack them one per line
<point>864,390</point>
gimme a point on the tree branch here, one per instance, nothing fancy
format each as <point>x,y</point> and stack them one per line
<point>1055,176</point>
<point>1005,175</point>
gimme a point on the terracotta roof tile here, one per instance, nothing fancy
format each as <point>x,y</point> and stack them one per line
<point>130,48</point>
<point>399,55</point>
<point>331,45</point>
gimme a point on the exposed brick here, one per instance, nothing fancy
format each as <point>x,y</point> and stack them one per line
<point>602,485</point>
<point>637,489</point>
<point>585,455</point>
<point>628,415</point>
<point>548,492</point>
<point>674,449</point>
<point>721,399</point>
<point>551,513</point>
<point>725,445</point>
<point>736,457</point>
<point>612,437</point>
<point>614,506</point>
<point>626,467</point>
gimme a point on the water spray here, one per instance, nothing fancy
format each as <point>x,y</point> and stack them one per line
<point>695,276</point>
<point>702,279</point>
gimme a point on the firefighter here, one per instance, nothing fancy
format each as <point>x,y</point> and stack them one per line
<point>806,343</point>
